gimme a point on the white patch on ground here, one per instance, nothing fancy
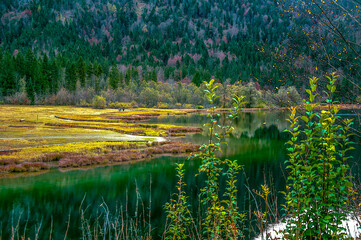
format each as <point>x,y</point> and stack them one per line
<point>274,231</point>
<point>100,137</point>
<point>127,137</point>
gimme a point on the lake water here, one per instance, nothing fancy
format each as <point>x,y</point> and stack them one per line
<point>55,197</point>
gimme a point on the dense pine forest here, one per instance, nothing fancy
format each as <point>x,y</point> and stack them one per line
<point>159,52</point>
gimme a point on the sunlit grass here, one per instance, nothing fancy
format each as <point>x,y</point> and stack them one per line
<point>132,129</point>
<point>36,114</point>
<point>35,138</point>
<point>129,115</point>
<point>29,126</point>
<point>24,126</point>
<point>36,153</point>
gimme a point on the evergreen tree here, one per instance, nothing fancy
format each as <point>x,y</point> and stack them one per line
<point>81,71</point>
<point>33,75</point>
<point>30,90</point>
<point>114,77</point>
<point>54,77</point>
<point>37,78</point>
<point>29,64</point>
<point>128,76</point>
<point>121,79</point>
<point>135,74</point>
<point>7,75</point>
<point>154,76</point>
<point>90,70</point>
<point>70,77</point>
<point>98,69</point>
<point>19,64</point>
<point>197,79</point>
<point>46,74</point>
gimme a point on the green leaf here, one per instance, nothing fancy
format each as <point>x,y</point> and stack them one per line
<point>333,89</point>
<point>311,81</point>
<point>312,97</point>
<point>304,118</point>
<point>313,87</point>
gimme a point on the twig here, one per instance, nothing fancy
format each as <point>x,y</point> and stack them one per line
<point>51,228</point>
<point>67,228</point>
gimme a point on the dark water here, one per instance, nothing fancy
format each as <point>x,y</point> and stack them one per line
<point>52,197</point>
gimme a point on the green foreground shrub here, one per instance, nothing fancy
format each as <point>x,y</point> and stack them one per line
<point>221,219</point>
<point>318,188</point>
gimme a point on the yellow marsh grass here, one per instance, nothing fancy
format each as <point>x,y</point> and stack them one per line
<point>11,114</point>
<point>130,112</point>
<point>142,129</point>
<point>25,126</point>
<point>92,148</point>
<point>161,112</point>
<point>8,144</point>
<point>31,132</point>
<point>35,118</point>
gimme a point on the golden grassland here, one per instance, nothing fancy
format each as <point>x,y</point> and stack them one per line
<point>29,126</point>
<point>34,138</point>
<point>25,126</point>
<point>10,113</point>
<point>129,115</point>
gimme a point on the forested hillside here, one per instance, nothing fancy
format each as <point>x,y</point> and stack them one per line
<point>47,46</point>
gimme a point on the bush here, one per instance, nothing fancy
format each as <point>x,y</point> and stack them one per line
<point>251,95</point>
<point>85,94</point>
<point>188,106</point>
<point>134,104</point>
<point>162,105</point>
<point>178,105</point>
<point>285,97</point>
<point>120,105</point>
<point>318,187</point>
<point>83,103</point>
<point>18,98</point>
<point>99,102</point>
<point>63,97</point>
<point>149,97</point>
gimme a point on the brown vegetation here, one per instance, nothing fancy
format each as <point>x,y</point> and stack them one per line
<point>180,131</point>
<point>133,118</point>
<point>24,167</point>
<point>112,153</point>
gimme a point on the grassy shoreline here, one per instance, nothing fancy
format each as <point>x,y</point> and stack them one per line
<point>26,129</point>
<point>38,138</point>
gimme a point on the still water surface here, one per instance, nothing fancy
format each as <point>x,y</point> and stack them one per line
<point>55,197</point>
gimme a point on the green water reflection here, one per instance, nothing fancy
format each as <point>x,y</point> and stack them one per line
<point>51,197</point>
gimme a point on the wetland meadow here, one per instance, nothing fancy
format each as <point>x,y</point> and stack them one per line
<point>34,139</point>
<point>67,171</point>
